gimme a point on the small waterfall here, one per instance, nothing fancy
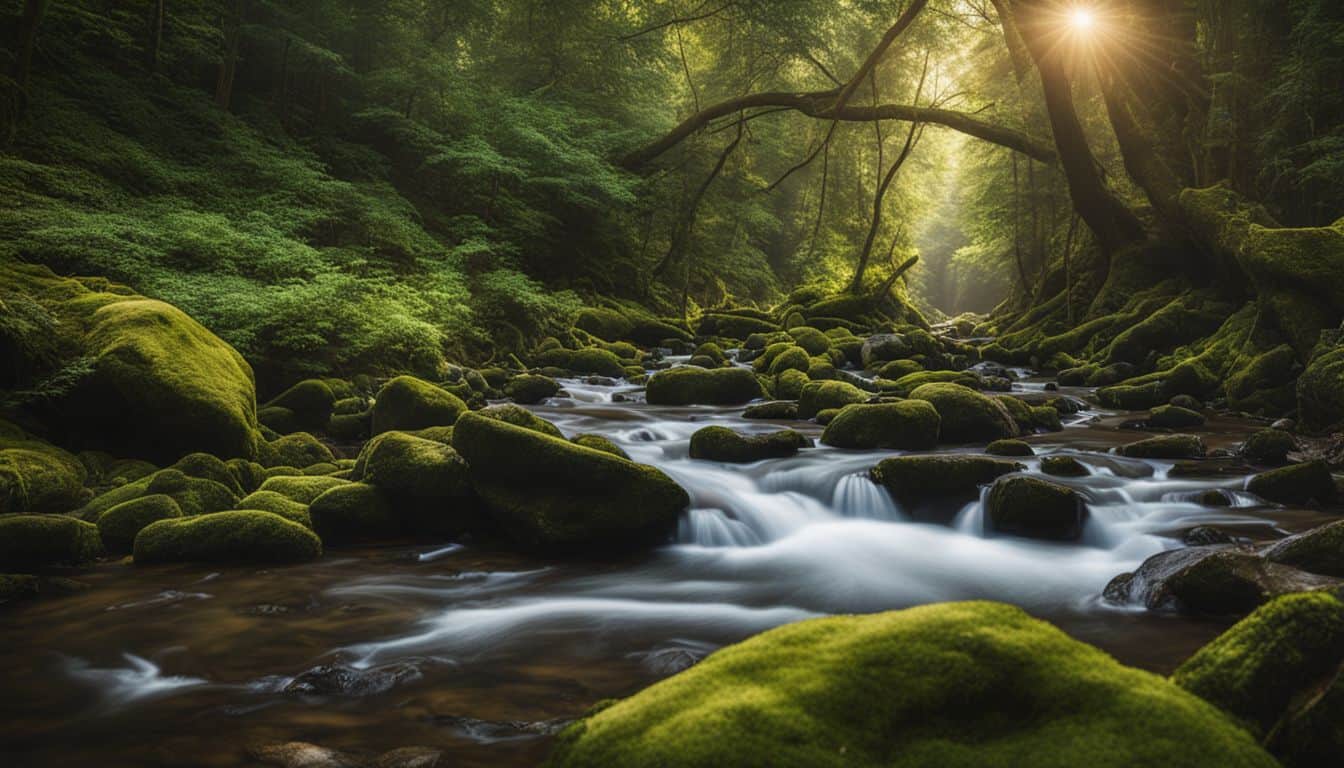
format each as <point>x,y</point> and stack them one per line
<point>857,496</point>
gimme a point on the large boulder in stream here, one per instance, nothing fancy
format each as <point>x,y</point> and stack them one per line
<point>546,494</point>
<point>955,684</point>
<point>425,481</point>
<point>967,416</point>
<point>818,396</point>
<point>908,425</point>
<point>1320,550</point>
<point>245,536</point>
<point>1278,671</point>
<point>689,385</point>
<point>1035,508</point>
<point>723,444</point>
<point>1165,447</point>
<point>1211,581</point>
<point>1298,484</point>
<point>408,403</point>
<point>953,477</point>
<point>33,542</point>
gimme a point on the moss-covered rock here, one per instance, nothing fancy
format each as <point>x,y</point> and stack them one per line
<point>529,389</point>
<point>427,481</point>
<point>310,401</point>
<point>299,449</point>
<point>957,684</point>
<point>1165,447</point>
<point>811,339</point>
<point>119,525</point>
<point>967,416</point>
<point>697,386</point>
<point>913,381</point>
<point>195,495</point>
<point>18,586</point>
<point>898,369</point>
<point>726,445</point>
<point>712,351</point>
<point>907,425</point>
<point>819,396</point>
<point>1320,550</point>
<point>1269,446</point>
<point>354,513</point>
<point>1320,391</point>
<point>34,542</point>
<point>39,477</point>
<point>780,410</point>
<point>1040,509</point>
<point>884,348</point>
<point>1298,484</point>
<point>351,427</point>
<point>1174,417</point>
<point>794,358</point>
<point>277,504</point>
<point>733,326</point>
<point>248,536</point>
<point>406,403</point>
<point>600,443</point>
<point>1009,448</point>
<point>595,361</point>
<point>1063,466</point>
<point>544,493</point>
<point>302,488</point>
<point>914,479</point>
<point>1134,397</point>
<point>1277,671</point>
<point>248,475</point>
<point>518,417</point>
<point>1211,581</point>
<point>789,384</point>
<point>203,465</point>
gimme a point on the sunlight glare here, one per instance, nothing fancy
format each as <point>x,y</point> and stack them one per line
<point>1083,20</point>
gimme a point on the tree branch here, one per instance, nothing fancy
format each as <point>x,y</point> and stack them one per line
<point>875,57</point>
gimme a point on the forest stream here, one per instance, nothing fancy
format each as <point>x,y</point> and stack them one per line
<point>485,656</point>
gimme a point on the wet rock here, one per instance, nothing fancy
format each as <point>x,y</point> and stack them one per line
<point>906,425</point>
<point>1213,498</point>
<point>1166,447</point>
<point>1298,484</point>
<point>600,443</point>
<point>967,416</point>
<point>1175,417</point>
<point>1206,536</point>
<point>246,536</point>
<point>354,513</point>
<point>1287,425</point>
<point>1035,508</point>
<point>301,754</point>
<point>309,403</point>
<point>726,445</point>
<point>691,386</point>
<point>1185,401</point>
<point>491,731</point>
<point>529,389</point>
<point>411,757</point>
<point>780,410</point>
<point>1210,581</point>
<point>884,348</point>
<point>1063,466</point>
<point>1319,551</point>
<point>819,396</point>
<point>912,479</point>
<point>31,542</point>
<point>343,681</point>
<point>1269,446</point>
<point>1009,448</point>
<point>119,525</point>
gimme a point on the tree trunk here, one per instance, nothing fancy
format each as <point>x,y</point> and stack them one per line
<point>156,14</point>
<point>682,233</point>
<point>228,65</point>
<point>33,11</point>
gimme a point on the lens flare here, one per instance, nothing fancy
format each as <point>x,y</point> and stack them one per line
<point>1082,19</point>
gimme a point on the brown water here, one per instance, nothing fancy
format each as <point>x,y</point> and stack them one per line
<point>484,655</point>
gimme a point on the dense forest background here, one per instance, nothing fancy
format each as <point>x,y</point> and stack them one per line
<point>345,185</point>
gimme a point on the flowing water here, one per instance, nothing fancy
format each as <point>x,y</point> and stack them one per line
<point>485,655</point>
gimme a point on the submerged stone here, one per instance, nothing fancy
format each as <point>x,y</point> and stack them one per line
<point>1035,508</point>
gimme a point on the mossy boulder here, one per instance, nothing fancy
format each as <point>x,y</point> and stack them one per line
<point>203,465</point>
<point>1175,417</point>
<point>407,403</point>
<point>779,410</point>
<point>789,384</point>
<point>1298,484</point>
<point>34,542</point>
<point>1320,550</point>
<point>518,417</point>
<point>1165,447</point>
<point>1277,671</point>
<point>1320,391</point>
<point>545,493</point>
<point>600,443</point>
<point>354,513</point>
<point>247,475</point>
<point>884,348</point>
<point>1269,446</point>
<point>698,386</point>
<point>39,477</point>
<point>726,445</point>
<point>530,389</point>
<point>245,536</point>
<point>1036,508</point>
<point>712,351</point>
<point>278,504</point>
<point>596,361</point>
<point>914,479</point>
<point>1009,448</point>
<point>427,481</point>
<point>302,488</point>
<point>734,326</point>
<point>955,684</point>
<point>898,369</point>
<point>819,396</point>
<point>195,495</point>
<point>1211,581</point>
<point>119,525</point>
<point>910,425</point>
<point>1063,466</point>
<point>299,449</point>
<point>811,339</point>
<point>1134,397</point>
<point>912,381</point>
<point>310,401</point>
<point>967,416</point>
<point>794,358</point>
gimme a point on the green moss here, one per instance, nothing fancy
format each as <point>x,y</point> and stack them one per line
<point>301,488</point>
<point>733,326</point>
<point>247,475</point>
<point>712,351</point>
<point>250,536</point>
<point>351,427</point>
<point>1063,466</point>
<point>600,443</point>
<point>311,401</point>
<point>818,396</point>
<point>354,513</point>
<point>811,339</point>
<point>519,417</point>
<point>794,358</point>
<point>32,542</point>
<point>208,467</point>
<point>529,389</point>
<point>1077,377</point>
<point>1171,326</point>
<point>953,685</point>
<point>279,420</point>
<point>967,416</point>
<point>1265,384</point>
<point>909,425</point>
<point>38,477</point>
<point>406,403</point>
<point>912,381</point>
<point>1009,448</point>
<point>1029,506</point>
<point>688,386</point>
<point>1134,397</point>
<point>1320,550</point>
<point>1175,417</point>
<point>898,369</point>
<point>278,504</point>
<point>1269,446</point>
<point>1277,670</point>
<point>119,525</point>
<point>596,361</point>
<point>195,495</point>
<point>779,411</point>
<point>767,357</point>
<point>299,449</point>
<point>1320,391</point>
<point>1298,484</point>
<point>1165,447</point>
<point>789,384</point>
<point>724,444</point>
<point>919,478</point>
<point>548,494</point>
